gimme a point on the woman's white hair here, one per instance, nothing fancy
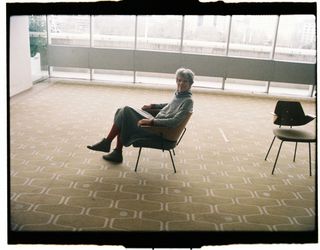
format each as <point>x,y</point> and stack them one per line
<point>186,74</point>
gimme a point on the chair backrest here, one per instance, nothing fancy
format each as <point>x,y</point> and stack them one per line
<point>173,134</point>
<point>289,113</point>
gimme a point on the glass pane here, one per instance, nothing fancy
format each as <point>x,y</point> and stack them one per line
<point>252,36</point>
<point>205,34</point>
<point>114,31</point>
<point>159,33</point>
<point>245,85</point>
<point>289,89</point>
<point>156,78</point>
<point>113,75</point>
<point>296,38</point>
<point>70,30</point>
<point>208,82</point>
<point>69,72</point>
<point>38,47</point>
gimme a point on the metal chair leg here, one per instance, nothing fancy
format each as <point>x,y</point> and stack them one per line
<point>174,167</point>
<point>269,148</point>
<point>275,163</point>
<point>295,152</point>
<point>310,159</point>
<point>137,160</point>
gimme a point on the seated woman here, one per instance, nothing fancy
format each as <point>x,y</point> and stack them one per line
<point>127,120</point>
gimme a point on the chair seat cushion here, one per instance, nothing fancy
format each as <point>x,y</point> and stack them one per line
<point>294,135</point>
<point>153,142</point>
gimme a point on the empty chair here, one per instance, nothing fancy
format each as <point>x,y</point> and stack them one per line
<point>164,139</point>
<point>289,113</point>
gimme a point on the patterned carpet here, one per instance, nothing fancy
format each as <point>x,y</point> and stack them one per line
<point>222,181</point>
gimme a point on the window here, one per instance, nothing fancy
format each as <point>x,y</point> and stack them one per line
<point>252,36</point>
<point>113,75</point>
<point>280,88</point>
<point>38,47</point>
<point>70,30</point>
<point>159,33</point>
<point>245,85</point>
<point>296,38</point>
<point>208,82</point>
<point>70,72</point>
<point>114,31</point>
<point>156,78</point>
<point>293,38</point>
<point>205,34</point>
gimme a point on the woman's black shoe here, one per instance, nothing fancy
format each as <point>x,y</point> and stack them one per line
<point>115,156</point>
<point>103,145</point>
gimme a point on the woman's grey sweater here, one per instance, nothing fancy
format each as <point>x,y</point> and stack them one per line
<point>174,112</point>
<point>170,115</point>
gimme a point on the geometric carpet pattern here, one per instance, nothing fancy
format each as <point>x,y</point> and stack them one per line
<point>222,182</point>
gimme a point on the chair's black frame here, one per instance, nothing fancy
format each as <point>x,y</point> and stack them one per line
<point>174,144</point>
<point>290,113</point>
<point>295,151</point>
<point>161,141</point>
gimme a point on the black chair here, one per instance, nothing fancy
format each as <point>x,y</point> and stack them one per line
<point>164,139</point>
<point>289,113</point>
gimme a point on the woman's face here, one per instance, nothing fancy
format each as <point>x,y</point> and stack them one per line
<point>182,84</point>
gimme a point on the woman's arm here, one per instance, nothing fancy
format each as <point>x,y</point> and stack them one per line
<point>174,119</point>
<point>153,106</point>
<point>153,109</point>
<point>145,122</point>
<point>158,106</point>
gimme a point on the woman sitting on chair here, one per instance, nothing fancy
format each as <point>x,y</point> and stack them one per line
<point>128,121</point>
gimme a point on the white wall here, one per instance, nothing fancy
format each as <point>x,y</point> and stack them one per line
<point>20,65</point>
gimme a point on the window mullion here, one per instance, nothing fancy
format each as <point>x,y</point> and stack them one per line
<point>91,43</point>
<point>182,34</point>
<point>273,48</point>
<point>135,49</point>
<point>275,39</point>
<point>227,49</point>
<point>229,36</point>
<point>48,41</point>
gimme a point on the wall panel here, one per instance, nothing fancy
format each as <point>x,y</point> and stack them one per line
<point>294,72</point>
<point>154,61</point>
<point>169,62</point>
<point>114,59</point>
<point>64,56</point>
<point>206,65</point>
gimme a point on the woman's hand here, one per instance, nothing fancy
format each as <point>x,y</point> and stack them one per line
<point>144,107</point>
<point>148,122</point>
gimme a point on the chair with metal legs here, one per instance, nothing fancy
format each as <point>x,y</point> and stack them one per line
<point>165,139</point>
<point>292,135</point>
<point>288,113</point>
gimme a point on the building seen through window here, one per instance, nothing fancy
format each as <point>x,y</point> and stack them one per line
<point>296,38</point>
<point>113,31</point>
<point>159,33</point>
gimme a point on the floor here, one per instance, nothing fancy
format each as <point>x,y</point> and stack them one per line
<point>222,182</point>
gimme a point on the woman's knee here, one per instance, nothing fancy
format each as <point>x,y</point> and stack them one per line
<point>126,108</point>
<point>121,112</point>
<point>122,109</point>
